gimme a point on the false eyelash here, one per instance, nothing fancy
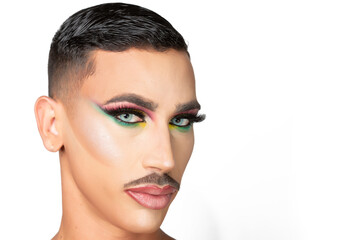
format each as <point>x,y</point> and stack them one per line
<point>192,117</point>
<point>117,111</point>
<point>200,118</point>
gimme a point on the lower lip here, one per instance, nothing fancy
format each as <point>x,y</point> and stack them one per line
<point>154,202</point>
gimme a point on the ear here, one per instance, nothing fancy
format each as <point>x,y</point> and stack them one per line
<point>46,113</point>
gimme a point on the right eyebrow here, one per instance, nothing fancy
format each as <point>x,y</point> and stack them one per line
<point>134,98</point>
<point>188,106</point>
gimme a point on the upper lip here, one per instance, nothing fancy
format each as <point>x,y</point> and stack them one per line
<point>153,189</point>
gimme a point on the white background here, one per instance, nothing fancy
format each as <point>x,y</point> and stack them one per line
<point>278,156</point>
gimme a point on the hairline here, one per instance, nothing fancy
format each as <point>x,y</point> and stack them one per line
<point>87,68</point>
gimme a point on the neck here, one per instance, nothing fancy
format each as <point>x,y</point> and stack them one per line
<point>80,220</point>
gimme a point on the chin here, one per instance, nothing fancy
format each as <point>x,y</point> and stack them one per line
<point>142,221</point>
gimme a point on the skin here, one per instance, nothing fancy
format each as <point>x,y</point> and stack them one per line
<point>98,155</point>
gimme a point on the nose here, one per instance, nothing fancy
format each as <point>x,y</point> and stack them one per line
<point>160,156</point>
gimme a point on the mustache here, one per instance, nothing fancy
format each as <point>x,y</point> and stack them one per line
<point>155,178</point>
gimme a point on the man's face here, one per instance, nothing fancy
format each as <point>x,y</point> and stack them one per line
<point>130,120</point>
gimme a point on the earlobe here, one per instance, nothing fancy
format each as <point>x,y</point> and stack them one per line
<point>46,110</point>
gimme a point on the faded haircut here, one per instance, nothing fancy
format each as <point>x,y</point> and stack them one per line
<point>112,27</point>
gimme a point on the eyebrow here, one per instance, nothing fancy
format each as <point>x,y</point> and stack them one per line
<point>188,106</point>
<point>150,105</point>
<point>134,98</point>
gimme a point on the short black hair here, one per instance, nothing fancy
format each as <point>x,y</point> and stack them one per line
<point>112,27</point>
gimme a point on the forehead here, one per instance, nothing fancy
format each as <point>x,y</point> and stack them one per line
<point>163,77</point>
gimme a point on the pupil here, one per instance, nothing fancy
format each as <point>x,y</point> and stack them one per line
<point>126,115</point>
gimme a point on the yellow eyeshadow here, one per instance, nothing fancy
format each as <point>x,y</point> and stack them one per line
<point>180,129</point>
<point>142,124</point>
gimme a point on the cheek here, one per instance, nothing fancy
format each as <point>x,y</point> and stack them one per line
<point>98,157</point>
<point>105,141</point>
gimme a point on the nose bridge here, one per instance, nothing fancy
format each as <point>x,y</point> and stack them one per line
<point>161,157</point>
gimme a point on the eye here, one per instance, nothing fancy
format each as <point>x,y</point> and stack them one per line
<point>180,121</point>
<point>129,118</point>
<point>186,120</point>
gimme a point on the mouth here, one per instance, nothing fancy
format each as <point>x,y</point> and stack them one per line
<point>152,196</point>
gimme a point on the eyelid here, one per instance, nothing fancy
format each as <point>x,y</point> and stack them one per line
<point>126,105</point>
<point>191,117</point>
<point>117,111</point>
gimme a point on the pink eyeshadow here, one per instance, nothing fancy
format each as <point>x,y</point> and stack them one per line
<point>117,105</point>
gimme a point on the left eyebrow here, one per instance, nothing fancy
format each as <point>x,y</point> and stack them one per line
<point>192,105</point>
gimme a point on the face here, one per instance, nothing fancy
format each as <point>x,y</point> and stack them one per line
<point>132,119</point>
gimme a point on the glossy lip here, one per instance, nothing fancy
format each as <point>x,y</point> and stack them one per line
<point>152,196</point>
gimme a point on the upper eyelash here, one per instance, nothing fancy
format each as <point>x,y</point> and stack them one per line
<point>116,112</point>
<point>191,117</point>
